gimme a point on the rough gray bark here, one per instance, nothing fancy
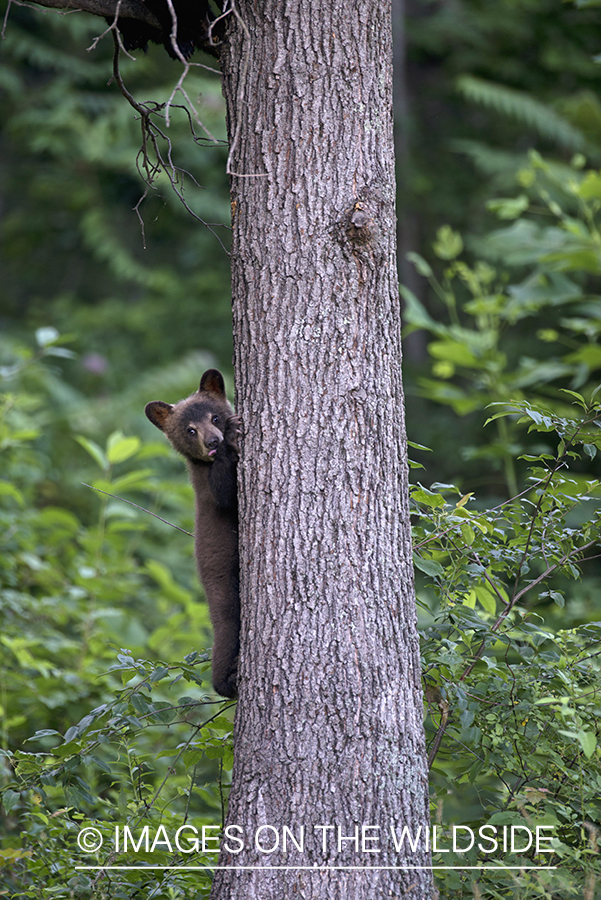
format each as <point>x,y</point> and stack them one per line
<point>329,722</point>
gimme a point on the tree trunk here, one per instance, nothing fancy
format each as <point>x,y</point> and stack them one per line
<point>329,722</point>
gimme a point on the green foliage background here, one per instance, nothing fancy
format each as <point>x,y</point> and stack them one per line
<point>107,715</point>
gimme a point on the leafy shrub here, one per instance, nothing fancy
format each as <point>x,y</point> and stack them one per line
<point>92,733</point>
<point>514,696</point>
<point>508,589</point>
<point>521,322</point>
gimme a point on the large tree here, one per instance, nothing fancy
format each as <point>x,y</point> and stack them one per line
<point>329,735</point>
<point>329,725</point>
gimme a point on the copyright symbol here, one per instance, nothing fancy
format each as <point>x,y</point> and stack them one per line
<point>89,840</point>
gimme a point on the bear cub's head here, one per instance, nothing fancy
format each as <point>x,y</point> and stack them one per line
<point>195,426</point>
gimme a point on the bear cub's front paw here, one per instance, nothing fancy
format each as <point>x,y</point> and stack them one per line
<point>228,686</point>
<point>233,430</point>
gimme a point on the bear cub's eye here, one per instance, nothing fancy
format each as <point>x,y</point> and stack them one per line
<point>191,430</point>
<point>215,420</point>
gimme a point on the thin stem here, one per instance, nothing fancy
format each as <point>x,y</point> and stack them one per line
<point>131,503</point>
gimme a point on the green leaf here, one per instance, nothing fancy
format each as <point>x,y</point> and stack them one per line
<point>509,208</point>
<point>423,268</point>
<point>101,763</point>
<point>448,244</point>
<point>415,313</point>
<point>588,742</point>
<point>526,108</point>
<point>119,448</point>
<point>468,534</point>
<point>418,446</point>
<point>590,187</point>
<point>62,352</point>
<point>455,352</point>
<point>159,673</point>
<point>557,598</point>
<point>422,495</point>
<point>465,499</point>
<point>141,704</point>
<point>163,576</point>
<point>429,566</point>
<point>44,732</point>
<point>574,257</point>
<point>486,598</point>
<point>94,450</point>
<point>137,479</point>
<point>9,490</point>
<point>470,599</point>
<point>10,800</point>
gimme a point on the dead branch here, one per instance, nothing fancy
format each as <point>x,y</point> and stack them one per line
<point>128,9</point>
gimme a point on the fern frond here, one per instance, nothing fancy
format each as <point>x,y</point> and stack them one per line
<point>97,417</point>
<point>502,165</point>
<point>525,108</point>
<point>490,160</point>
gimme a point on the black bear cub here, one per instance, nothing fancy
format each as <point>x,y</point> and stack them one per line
<point>204,429</point>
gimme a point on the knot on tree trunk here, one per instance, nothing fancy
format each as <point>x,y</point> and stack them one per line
<point>360,224</point>
<point>360,227</point>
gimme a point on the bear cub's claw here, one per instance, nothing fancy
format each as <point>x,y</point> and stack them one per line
<point>233,430</point>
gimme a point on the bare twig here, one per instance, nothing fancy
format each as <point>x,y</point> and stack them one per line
<point>5,22</point>
<point>180,83</point>
<point>444,716</point>
<point>438,534</point>
<point>148,169</point>
<point>123,500</point>
<point>111,27</point>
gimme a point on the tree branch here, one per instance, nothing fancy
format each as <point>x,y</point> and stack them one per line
<point>128,9</point>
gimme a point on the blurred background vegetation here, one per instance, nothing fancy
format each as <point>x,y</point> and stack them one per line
<point>106,303</point>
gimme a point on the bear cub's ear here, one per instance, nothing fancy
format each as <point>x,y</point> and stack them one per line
<point>212,382</point>
<point>158,413</point>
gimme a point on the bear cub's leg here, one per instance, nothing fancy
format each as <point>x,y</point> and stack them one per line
<point>205,430</point>
<point>222,474</point>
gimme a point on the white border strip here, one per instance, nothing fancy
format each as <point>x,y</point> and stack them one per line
<point>209,868</point>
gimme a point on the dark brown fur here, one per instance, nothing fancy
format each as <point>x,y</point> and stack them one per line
<point>196,27</point>
<point>204,429</point>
